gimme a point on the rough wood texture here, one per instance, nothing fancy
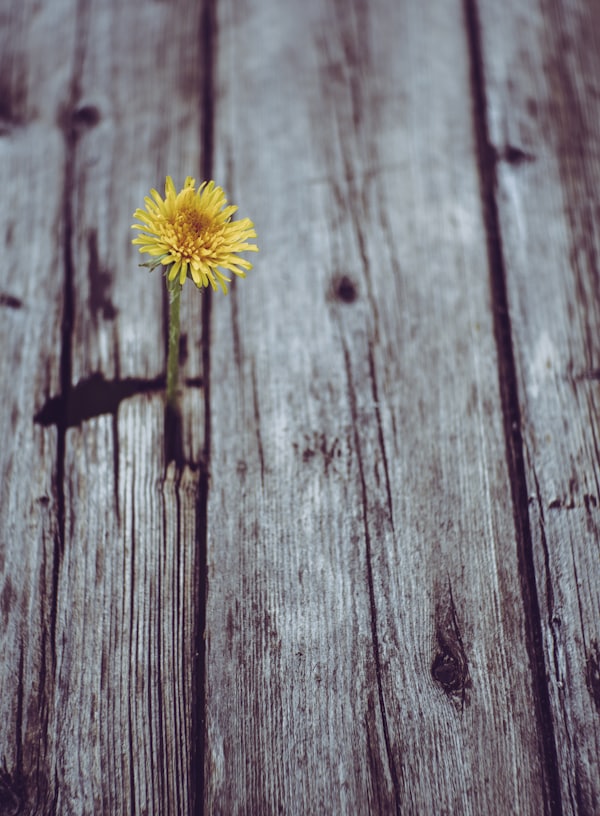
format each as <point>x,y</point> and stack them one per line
<point>362,575</point>
<point>34,80</point>
<point>99,579</point>
<point>542,66</point>
<point>361,539</point>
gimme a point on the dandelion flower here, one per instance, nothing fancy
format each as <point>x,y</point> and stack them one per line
<point>192,235</point>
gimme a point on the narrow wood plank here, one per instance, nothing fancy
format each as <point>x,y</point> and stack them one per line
<point>542,72</point>
<point>127,621</point>
<point>112,556</point>
<point>366,639</point>
<point>140,86</point>
<point>34,82</point>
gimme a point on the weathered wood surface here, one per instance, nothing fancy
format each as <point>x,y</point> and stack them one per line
<point>99,577</point>
<point>381,508</point>
<point>542,68</point>
<point>363,439</point>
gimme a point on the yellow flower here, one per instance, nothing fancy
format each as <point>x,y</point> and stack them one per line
<point>192,234</point>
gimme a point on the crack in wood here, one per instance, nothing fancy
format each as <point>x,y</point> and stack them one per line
<point>132,650</point>
<point>116,456</point>
<point>370,582</point>
<point>259,443</point>
<point>486,160</point>
<point>592,673</point>
<point>173,437</point>
<point>374,391</point>
<point>100,281</point>
<point>208,95</point>
<point>554,620</point>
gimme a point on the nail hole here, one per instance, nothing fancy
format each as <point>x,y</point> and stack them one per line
<point>87,115</point>
<point>344,289</point>
<point>514,155</point>
<point>10,301</point>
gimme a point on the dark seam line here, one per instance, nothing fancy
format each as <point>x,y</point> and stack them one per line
<point>207,39</point>
<point>374,391</point>
<point>372,604</point>
<point>486,160</point>
<point>548,587</point>
<point>43,695</point>
<point>184,699</point>
<point>199,661</point>
<point>159,778</point>
<point>66,331</point>
<point>150,779</point>
<point>116,456</point>
<point>259,443</point>
<point>65,368</point>
<point>65,363</point>
<point>550,604</point>
<point>131,697</point>
<point>19,722</point>
<point>115,438</point>
<point>170,428</point>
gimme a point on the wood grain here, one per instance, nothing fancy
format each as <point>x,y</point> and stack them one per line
<point>34,80</point>
<point>102,632</point>
<point>366,634</point>
<point>542,70</point>
<point>148,124</point>
<point>360,573</point>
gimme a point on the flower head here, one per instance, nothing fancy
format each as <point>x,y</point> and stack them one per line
<point>191,234</point>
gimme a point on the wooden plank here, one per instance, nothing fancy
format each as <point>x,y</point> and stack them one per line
<point>542,71</point>
<point>366,635</point>
<point>126,610</point>
<point>34,81</point>
<point>143,98</point>
<point>119,603</point>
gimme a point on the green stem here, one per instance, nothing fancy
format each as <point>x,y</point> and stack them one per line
<point>174,290</point>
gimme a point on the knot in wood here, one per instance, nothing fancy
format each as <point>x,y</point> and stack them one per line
<point>12,792</point>
<point>449,667</point>
<point>85,116</point>
<point>448,672</point>
<point>344,289</point>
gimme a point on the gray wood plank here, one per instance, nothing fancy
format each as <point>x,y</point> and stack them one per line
<point>148,97</point>
<point>113,547</point>
<point>542,72</point>
<point>123,714</point>
<point>366,635</point>
<point>34,81</point>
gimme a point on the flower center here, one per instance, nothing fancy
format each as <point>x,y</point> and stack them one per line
<point>193,223</point>
<point>189,233</point>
